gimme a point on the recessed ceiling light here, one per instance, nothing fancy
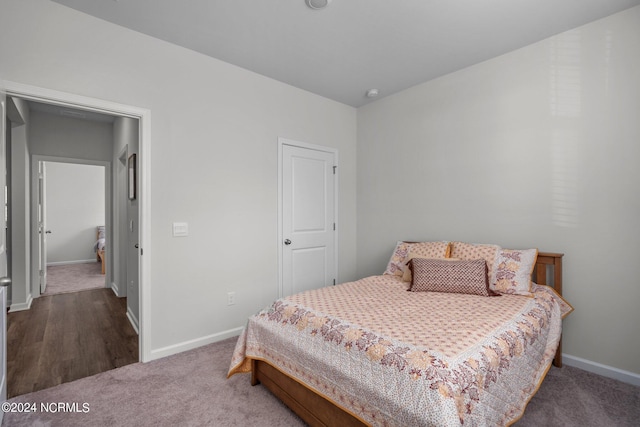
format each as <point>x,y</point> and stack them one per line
<point>317,4</point>
<point>372,93</point>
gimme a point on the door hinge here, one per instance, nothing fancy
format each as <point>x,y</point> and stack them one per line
<point>334,169</point>
<point>334,282</point>
<point>334,226</point>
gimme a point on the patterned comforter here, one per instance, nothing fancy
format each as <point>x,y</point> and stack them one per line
<point>393,357</point>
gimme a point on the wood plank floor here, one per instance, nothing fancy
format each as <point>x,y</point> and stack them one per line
<point>66,337</point>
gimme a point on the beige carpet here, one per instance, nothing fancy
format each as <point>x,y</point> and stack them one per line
<point>73,278</point>
<point>188,389</point>
<point>191,389</point>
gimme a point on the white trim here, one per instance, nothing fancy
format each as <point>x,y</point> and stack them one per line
<point>143,115</point>
<point>116,290</point>
<point>80,261</point>
<point>35,158</point>
<point>133,320</point>
<point>120,222</point>
<point>50,96</point>
<point>600,369</point>
<point>22,306</point>
<point>195,343</point>
<point>336,196</point>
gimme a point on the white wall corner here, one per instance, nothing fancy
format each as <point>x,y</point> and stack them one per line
<point>600,369</point>
<point>115,289</point>
<point>21,306</point>
<point>133,320</point>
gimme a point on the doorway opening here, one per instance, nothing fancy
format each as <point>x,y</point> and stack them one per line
<point>70,218</point>
<point>132,121</point>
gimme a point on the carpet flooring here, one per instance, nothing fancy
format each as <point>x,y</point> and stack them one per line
<point>191,389</point>
<point>74,277</point>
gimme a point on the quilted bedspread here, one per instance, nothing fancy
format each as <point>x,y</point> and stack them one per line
<point>393,357</point>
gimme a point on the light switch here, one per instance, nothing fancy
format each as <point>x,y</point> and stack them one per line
<point>180,229</point>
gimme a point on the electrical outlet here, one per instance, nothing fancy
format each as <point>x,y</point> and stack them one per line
<point>231,298</point>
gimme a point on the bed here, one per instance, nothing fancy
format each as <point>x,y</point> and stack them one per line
<point>395,350</point>
<point>100,247</point>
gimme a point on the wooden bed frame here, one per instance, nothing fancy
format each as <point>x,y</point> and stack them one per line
<point>102,258</point>
<point>316,410</point>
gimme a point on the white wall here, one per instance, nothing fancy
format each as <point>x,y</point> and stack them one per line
<point>67,137</point>
<point>536,148</point>
<point>126,140</point>
<point>213,159</point>
<point>75,207</point>
<point>55,137</point>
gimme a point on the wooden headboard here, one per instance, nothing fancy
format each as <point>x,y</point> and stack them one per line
<point>545,261</point>
<point>550,262</point>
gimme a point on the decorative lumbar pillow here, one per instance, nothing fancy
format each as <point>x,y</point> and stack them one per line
<point>399,257</point>
<point>487,252</point>
<point>461,277</point>
<point>406,277</point>
<point>513,270</point>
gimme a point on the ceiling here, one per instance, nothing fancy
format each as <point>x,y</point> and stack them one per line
<point>351,46</point>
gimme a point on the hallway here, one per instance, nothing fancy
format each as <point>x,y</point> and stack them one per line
<point>65,337</point>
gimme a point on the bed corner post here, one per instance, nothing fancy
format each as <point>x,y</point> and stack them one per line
<point>554,260</point>
<point>254,373</point>
<point>557,284</point>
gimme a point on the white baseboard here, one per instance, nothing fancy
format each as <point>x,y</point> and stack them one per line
<point>600,369</point>
<point>133,320</point>
<point>21,306</point>
<point>115,289</point>
<point>80,261</point>
<point>190,345</point>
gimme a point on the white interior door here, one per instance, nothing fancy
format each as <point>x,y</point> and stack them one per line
<point>4,281</point>
<point>308,218</point>
<point>133,253</point>
<point>42,225</point>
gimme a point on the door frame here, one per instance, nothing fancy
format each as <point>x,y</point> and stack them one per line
<point>108,214</point>
<point>49,96</point>
<point>39,216</point>
<point>4,243</point>
<point>120,226</point>
<point>304,145</point>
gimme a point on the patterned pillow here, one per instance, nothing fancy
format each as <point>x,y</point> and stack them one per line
<point>406,277</point>
<point>476,251</point>
<point>397,263</point>
<point>513,270</point>
<point>461,277</point>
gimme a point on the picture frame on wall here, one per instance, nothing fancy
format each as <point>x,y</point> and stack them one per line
<point>132,176</point>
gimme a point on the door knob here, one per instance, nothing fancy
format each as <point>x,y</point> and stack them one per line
<point>287,242</point>
<point>5,281</point>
